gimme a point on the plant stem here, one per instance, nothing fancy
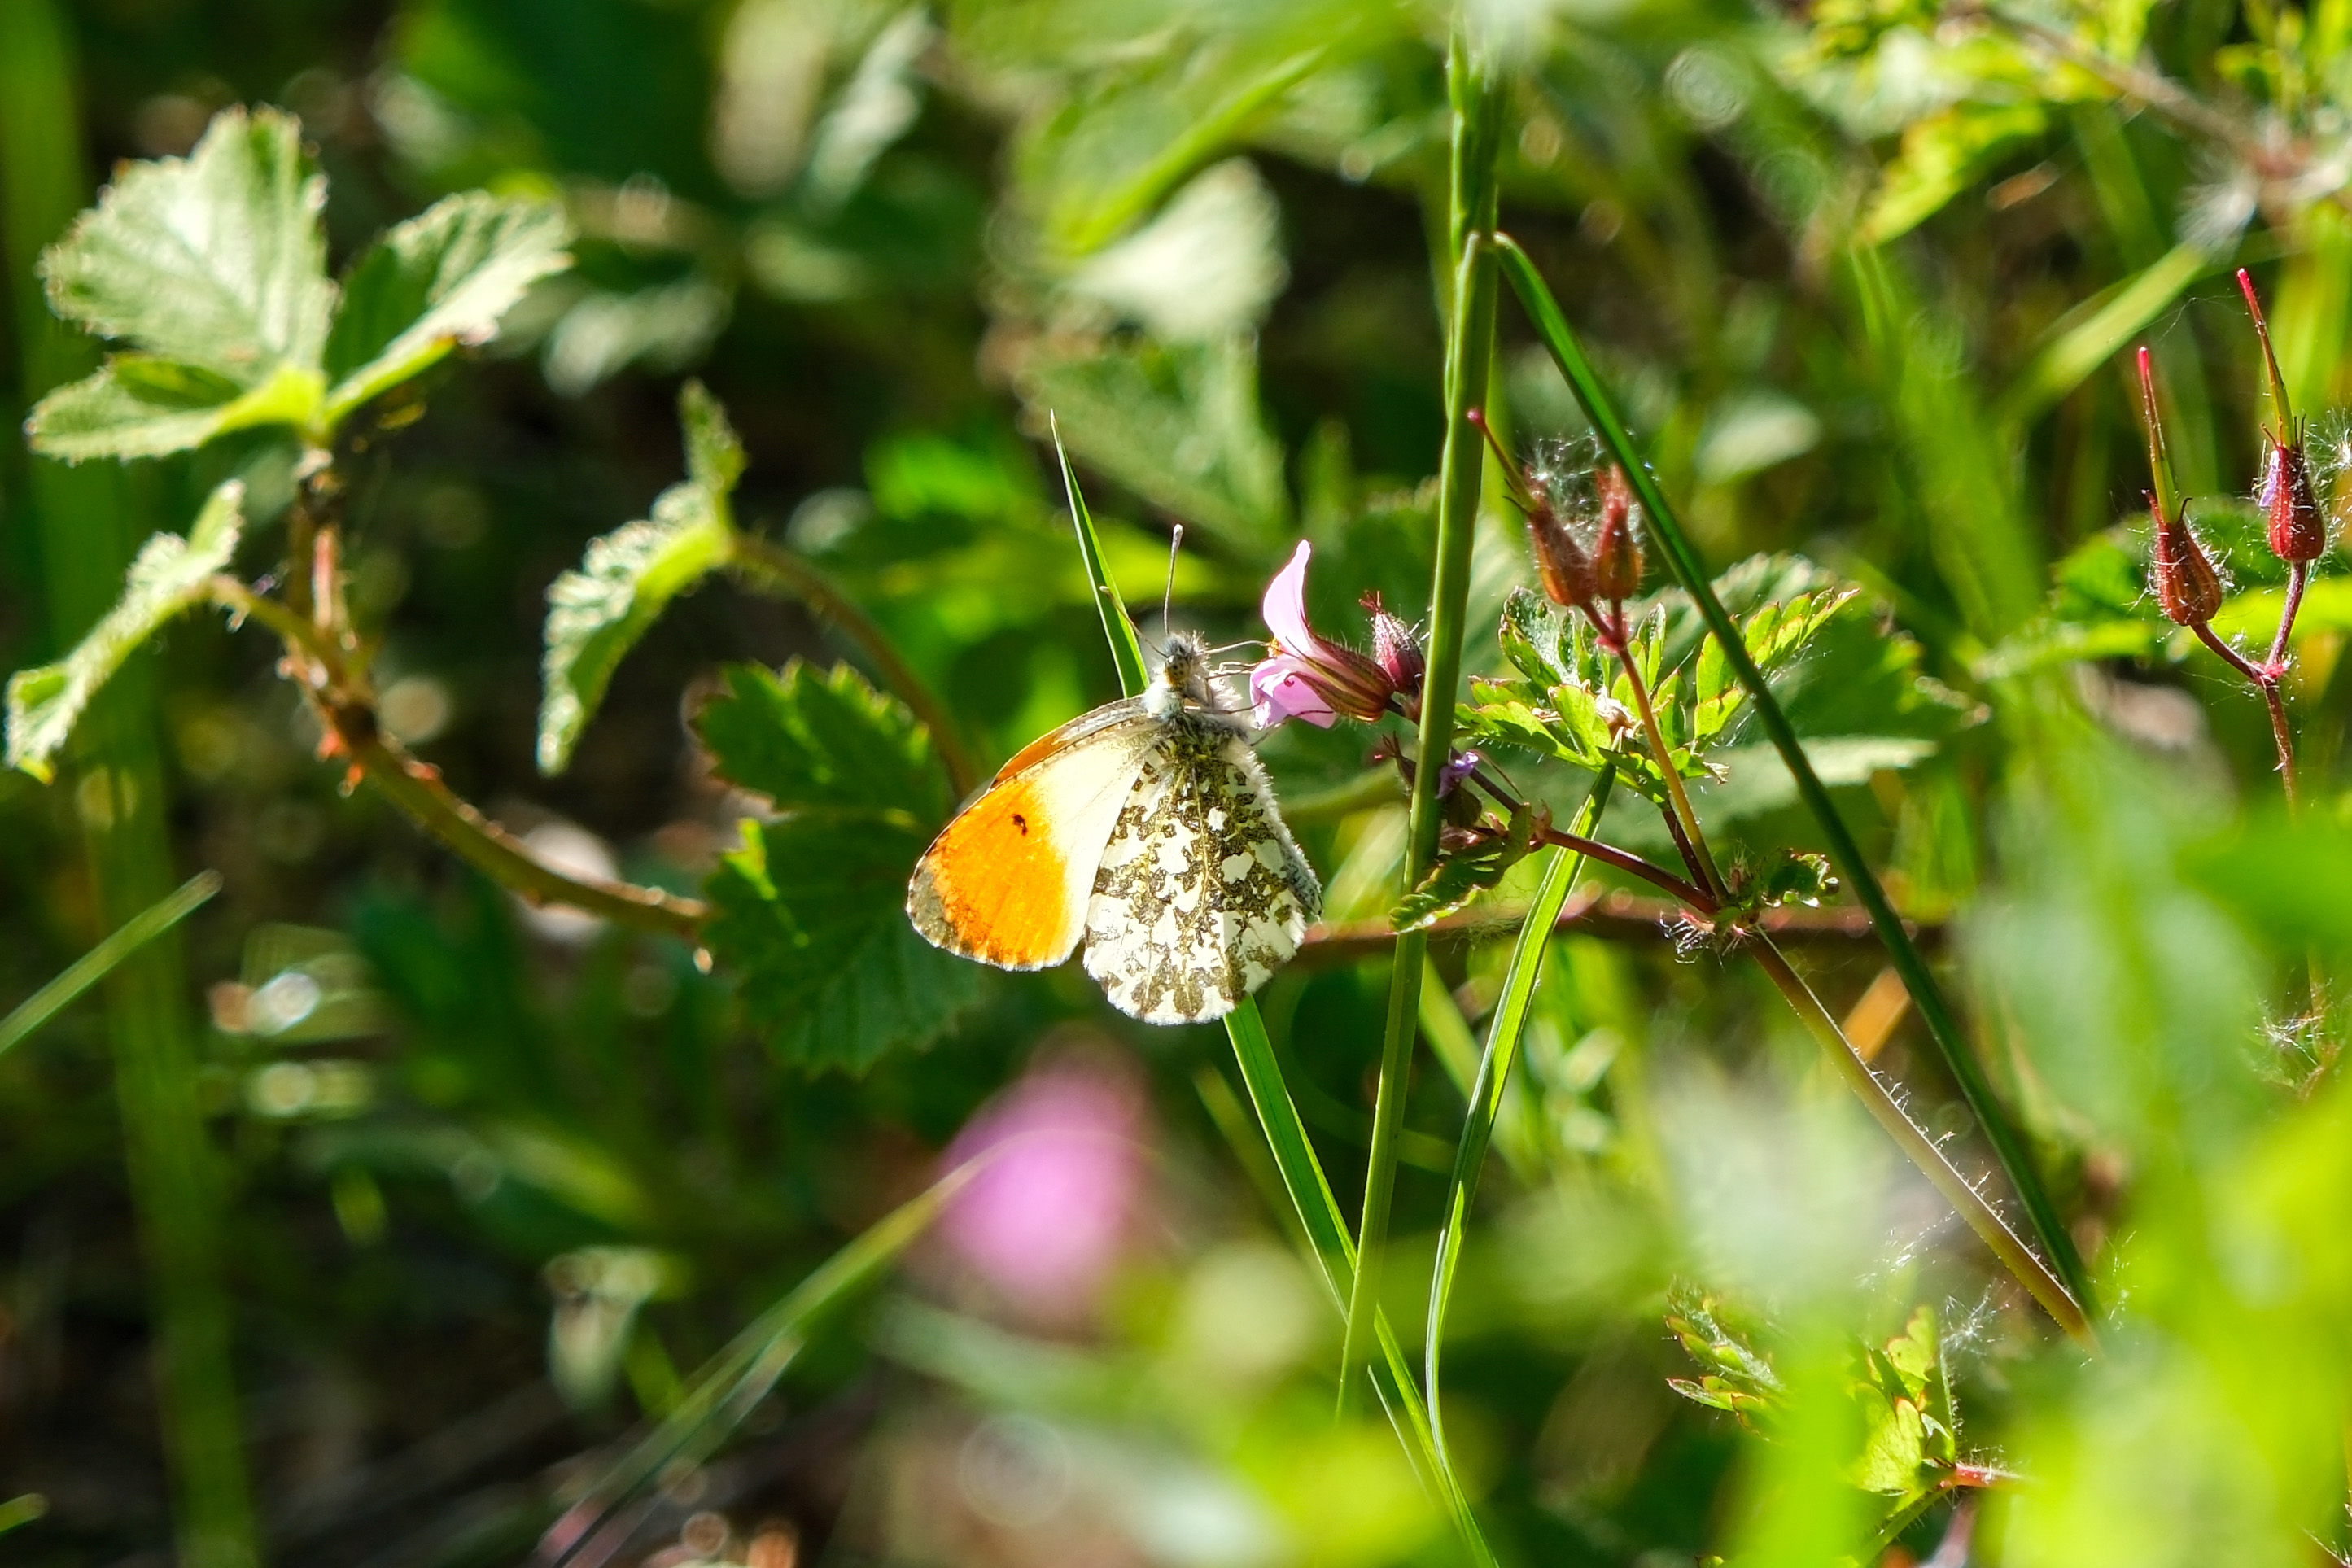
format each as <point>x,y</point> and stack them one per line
<point>1960,1060</point>
<point>1486,1092</point>
<point>1981,1216</point>
<point>1696,898</point>
<point>345,708</point>
<point>1469,350</point>
<point>2298,577</point>
<point>1702,861</point>
<point>771,565</point>
<point>87,529</point>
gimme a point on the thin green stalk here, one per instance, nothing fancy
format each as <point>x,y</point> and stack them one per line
<point>1503,1036</point>
<point>1469,353</point>
<point>1982,1217</point>
<point>1960,1060</point>
<point>772,566</point>
<point>1317,1211</point>
<point>86,534</point>
<point>99,961</point>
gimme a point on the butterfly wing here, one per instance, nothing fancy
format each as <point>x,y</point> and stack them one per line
<point>1007,881</point>
<point>1201,894</point>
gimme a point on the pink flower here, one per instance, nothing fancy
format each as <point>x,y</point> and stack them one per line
<point>1047,1217</point>
<point>1306,676</point>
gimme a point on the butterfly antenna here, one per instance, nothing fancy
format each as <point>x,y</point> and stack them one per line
<point>1167,594</point>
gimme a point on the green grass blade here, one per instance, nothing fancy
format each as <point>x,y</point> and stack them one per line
<point>1469,354</point>
<point>1320,1217</point>
<point>1317,1211</point>
<point>2000,1131</point>
<point>94,966</point>
<point>1503,1036</point>
<point>2087,337</point>
<point>735,1380</point>
<point>23,1509</point>
<point>1118,627</point>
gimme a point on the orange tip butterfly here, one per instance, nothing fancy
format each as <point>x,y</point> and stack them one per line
<point>1148,828</point>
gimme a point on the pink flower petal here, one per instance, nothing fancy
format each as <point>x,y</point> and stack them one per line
<point>1284,605</point>
<point>1047,1219</point>
<point>1279,690</point>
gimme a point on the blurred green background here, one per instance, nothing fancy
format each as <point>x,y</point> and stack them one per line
<point>493,1182</point>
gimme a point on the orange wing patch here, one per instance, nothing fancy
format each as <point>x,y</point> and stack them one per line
<point>995,885</point>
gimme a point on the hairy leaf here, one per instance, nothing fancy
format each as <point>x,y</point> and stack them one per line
<point>442,280</point>
<point>596,613</point>
<point>167,577</point>
<point>138,406</point>
<point>216,260</point>
<point>811,912</point>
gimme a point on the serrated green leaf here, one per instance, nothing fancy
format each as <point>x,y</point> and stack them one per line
<point>596,613</point>
<point>1895,1444</point>
<point>442,280</point>
<point>810,741</point>
<point>139,406</point>
<point>1460,876</point>
<point>214,260</point>
<point>167,577</point>
<point>811,913</point>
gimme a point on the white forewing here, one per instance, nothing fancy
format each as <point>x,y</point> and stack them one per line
<point>1200,895</point>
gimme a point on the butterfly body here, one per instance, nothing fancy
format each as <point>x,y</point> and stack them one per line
<point>1148,830</point>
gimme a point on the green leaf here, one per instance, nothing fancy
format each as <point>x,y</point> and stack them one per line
<point>440,281</point>
<point>216,260</point>
<point>810,741</point>
<point>167,577</point>
<point>1942,155</point>
<point>811,912</point>
<point>139,406</point>
<point>596,615</point>
<point>1180,425</point>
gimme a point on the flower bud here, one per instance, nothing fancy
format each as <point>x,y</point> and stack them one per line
<point>1616,552</point>
<point>2298,529</point>
<point>2186,586</point>
<point>1396,651</point>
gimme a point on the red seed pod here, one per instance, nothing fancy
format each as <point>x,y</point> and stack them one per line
<point>2186,586</point>
<point>2298,529</point>
<point>1616,551</point>
<point>1560,562</point>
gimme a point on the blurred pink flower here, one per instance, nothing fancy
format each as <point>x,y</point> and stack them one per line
<point>1047,1216</point>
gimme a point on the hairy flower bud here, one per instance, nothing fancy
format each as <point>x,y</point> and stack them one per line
<point>2298,529</point>
<point>2186,586</point>
<point>1396,651</point>
<point>1616,551</point>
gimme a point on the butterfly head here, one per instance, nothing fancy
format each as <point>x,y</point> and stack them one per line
<point>1183,677</point>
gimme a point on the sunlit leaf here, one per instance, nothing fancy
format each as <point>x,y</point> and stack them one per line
<point>597,612</point>
<point>168,577</point>
<point>440,281</point>
<point>139,406</point>
<point>216,260</point>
